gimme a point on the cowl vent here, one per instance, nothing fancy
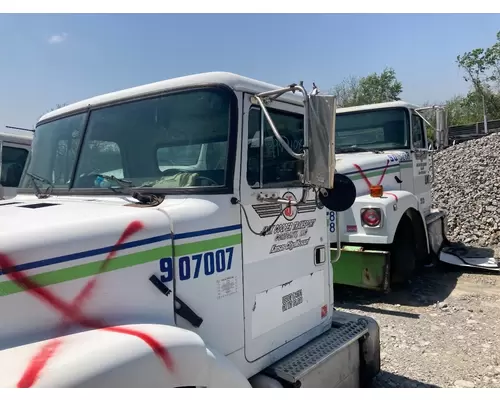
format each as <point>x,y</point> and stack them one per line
<point>11,203</point>
<point>39,205</point>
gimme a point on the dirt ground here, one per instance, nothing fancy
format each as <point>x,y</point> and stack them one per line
<point>442,331</point>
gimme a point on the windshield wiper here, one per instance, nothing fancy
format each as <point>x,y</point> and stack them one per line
<point>355,149</point>
<point>127,187</point>
<point>38,192</point>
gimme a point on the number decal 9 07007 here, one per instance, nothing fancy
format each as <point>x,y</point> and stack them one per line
<point>192,266</point>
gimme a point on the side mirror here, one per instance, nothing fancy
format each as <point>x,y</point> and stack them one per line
<point>342,197</point>
<point>320,161</point>
<point>441,128</point>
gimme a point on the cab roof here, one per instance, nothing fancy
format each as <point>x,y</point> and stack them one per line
<point>18,138</point>
<point>234,81</point>
<point>389,104</point>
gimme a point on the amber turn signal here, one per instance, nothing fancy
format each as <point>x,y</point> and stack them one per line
<point>376,191</point>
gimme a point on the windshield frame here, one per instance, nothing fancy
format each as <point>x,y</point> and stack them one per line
<point>407,116</point>
<point>228,188</point>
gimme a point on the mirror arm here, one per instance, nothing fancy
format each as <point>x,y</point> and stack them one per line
<point>425,120</point>
<point>426,108</point>
<point>276,133</point>
<point>338,251</point>
<point>417,110</point>
<point>274,94</point>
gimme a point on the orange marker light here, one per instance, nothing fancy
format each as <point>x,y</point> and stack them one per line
<point>376,190</point>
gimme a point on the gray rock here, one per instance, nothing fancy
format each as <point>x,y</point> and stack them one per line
<point>467,185</point>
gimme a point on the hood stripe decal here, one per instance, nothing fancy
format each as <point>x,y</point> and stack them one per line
<point>119,262</point>
<point>129,245</point>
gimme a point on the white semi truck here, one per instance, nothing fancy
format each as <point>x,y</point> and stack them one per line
<point>391,230</point>
<point>130,260</point>
<point>14,149</point>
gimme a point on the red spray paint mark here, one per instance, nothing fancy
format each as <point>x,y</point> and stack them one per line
<point>369,184</point>
<point>71,312</point>
<point>363,175</point>
<point>393,195</point>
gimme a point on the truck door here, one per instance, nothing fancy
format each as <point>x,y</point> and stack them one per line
<point>421,176</point>
<point>285,273</point>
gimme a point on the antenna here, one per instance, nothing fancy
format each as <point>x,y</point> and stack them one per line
<point>19,129</point>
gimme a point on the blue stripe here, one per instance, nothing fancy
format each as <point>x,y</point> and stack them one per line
<point>129,245</point>
<point>207,232</point>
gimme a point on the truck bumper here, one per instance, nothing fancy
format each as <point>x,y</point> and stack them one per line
<point>369,269</point>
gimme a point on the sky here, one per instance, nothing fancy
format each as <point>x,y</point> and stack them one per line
<point>62,58</point>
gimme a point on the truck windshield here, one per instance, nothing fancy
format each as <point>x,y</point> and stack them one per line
<point>177,140</point>
<point>13,160</point>
<point>382,129</point>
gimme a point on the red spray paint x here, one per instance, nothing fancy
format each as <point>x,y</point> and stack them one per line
<point>72,312</point>
<point>369,184</point>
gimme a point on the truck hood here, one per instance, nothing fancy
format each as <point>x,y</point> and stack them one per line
<point>346,163</point>
<point>28,214</point>
<point>61,243</point>
<point>366,169</point>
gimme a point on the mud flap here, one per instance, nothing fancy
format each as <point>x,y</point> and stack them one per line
<point>456,254</point>
<point>470,257</point>
<point>362,268</point>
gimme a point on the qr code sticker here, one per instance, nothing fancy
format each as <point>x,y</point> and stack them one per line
<point>291,300</point>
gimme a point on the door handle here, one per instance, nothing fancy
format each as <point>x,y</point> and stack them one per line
<point>319,255</point>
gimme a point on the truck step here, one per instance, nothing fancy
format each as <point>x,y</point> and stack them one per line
<point>300,363</point>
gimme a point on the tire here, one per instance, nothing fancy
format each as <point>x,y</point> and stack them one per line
<point>403,253</point>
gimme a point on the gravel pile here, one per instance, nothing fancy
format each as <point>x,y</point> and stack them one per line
<point>467,185</point>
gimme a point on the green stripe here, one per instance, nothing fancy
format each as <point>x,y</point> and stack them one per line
<point>130,260</point>
<point>207,245</point>
<point>371,174</point>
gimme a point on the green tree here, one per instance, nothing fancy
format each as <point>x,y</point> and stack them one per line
<point>374,88</point>
<point>481,68</point>
<point>347,92</point>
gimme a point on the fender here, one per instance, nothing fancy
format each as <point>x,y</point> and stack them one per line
<point>99,358</point>
<point>223,373</point>
<point>394,205</point>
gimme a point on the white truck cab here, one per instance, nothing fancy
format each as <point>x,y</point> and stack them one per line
<point>129,259</point>
<point>391,230</point>
<point>14,150</point>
